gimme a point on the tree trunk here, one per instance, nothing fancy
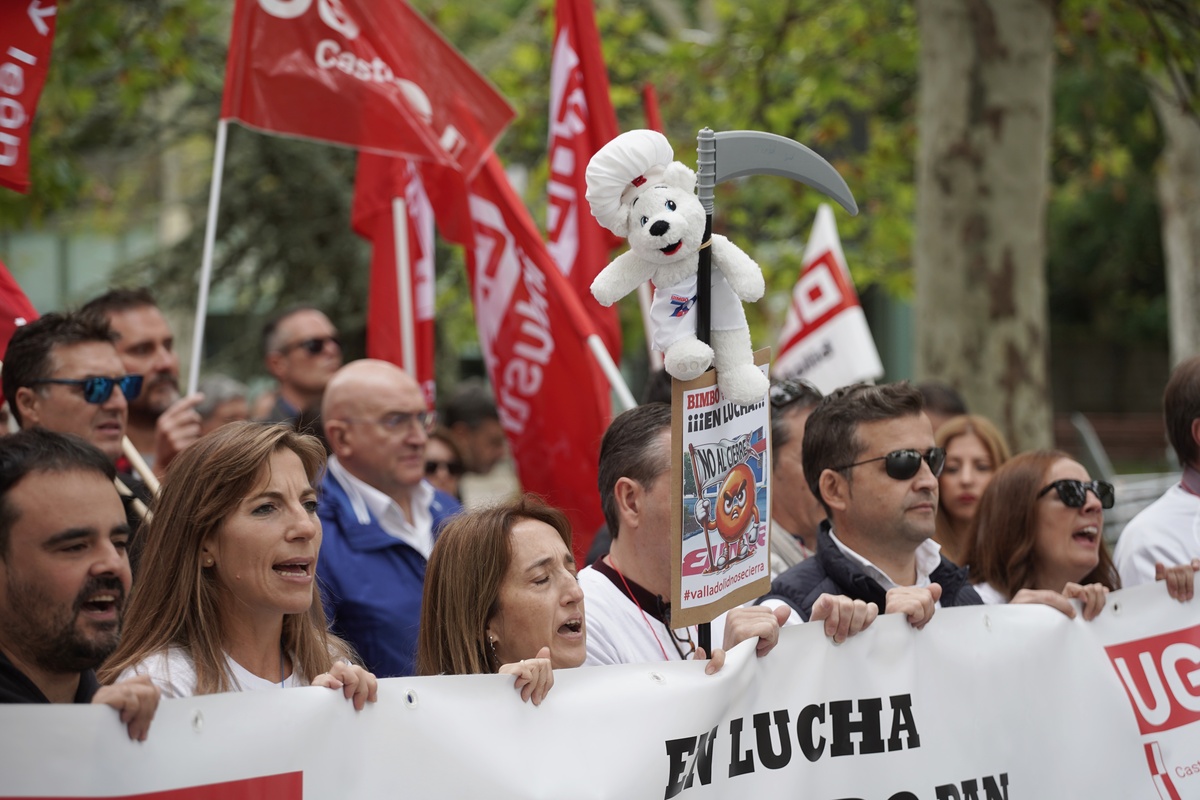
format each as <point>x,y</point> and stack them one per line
<point>984,115</point>
<point>1179,209</point>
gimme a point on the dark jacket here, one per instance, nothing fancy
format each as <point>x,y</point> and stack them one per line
<point>830,571</point>
<point>372,582</point>
<point>15,687</point>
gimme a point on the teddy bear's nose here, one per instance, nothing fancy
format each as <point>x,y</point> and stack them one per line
<point>660,227</point>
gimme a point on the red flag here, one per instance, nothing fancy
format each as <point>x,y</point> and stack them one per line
<point>15,310</point>
<point>26,37</point>
<point>370,74</point>
<point>551,395</point>
<point>379,181</point>
<point>582,120</point>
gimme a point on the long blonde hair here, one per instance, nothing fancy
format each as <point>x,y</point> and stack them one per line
<point>175,601</point>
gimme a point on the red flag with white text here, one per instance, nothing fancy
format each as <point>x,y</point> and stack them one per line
<point>26,39</point>
<point>15,310</point>
<point>582,121</point>
<point>370,74</point>
<point>379,182</point>
<point>825,338</point>
<point>552,397</point>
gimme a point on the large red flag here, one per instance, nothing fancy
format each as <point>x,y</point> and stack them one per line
<point>371,74</point>
<point>379,181</point>
<point>26,37</point>
<point>15,310</point>
<point>582,121</point>
<point>552,397</point>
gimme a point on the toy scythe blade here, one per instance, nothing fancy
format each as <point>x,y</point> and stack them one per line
<point>736,154</point>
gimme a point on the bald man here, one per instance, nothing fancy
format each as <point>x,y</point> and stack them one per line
<point>378,513</point>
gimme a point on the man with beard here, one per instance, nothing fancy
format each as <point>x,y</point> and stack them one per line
<point>161,423</point>
<point>64,577</point>
<point>63,374</point>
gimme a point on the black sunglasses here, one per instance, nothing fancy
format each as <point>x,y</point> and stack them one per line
<point>785,392</point>
<point>98,390</point>
<point>312,346</point>
<point>453,467</point>
<point>1074,493</point>
<point>904,464</point>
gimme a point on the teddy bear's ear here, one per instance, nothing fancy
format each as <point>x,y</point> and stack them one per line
<point>680,175</point>
<point>620,225</point>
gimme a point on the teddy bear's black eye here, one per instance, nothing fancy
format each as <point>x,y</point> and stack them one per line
<point>670,205</point>
<point>644,221</point>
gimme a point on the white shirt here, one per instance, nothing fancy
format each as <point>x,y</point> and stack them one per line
<point>928,558</point>
<point>368,502</point>
<point>174,673</point>
<point>1167,531</point>
<point>990,595</point>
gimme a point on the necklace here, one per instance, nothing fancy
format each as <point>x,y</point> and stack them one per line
<point>645,619</point>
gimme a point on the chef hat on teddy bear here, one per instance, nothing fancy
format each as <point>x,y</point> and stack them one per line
<point>620,170</point>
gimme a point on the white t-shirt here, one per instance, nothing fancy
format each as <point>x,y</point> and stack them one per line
<point>990,595</point>
<point>618,633</point>
<point>1167,531</point>
<point>174,673</point>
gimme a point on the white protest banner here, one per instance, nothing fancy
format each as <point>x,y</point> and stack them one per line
<point>721,499</point>
<point>825,338</point>
<point>984,703</point>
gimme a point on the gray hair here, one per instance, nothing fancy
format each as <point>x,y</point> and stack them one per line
<point>218,389</point>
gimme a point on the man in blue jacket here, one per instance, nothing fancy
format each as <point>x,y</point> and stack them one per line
<point>378,514</point>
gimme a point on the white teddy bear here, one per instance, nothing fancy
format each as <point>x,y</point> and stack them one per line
<point>636,190</point>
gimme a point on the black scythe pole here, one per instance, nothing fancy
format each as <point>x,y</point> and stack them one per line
<point>706,180</point>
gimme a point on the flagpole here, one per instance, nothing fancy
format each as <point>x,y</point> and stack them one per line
<point>611,371</point>
<point>645,299</point>
<point>210,235</point>
<point>408,348</point>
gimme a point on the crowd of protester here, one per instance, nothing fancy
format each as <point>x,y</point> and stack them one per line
<point>326,543</point>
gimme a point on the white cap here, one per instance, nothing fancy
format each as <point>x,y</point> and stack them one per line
<point>619,169</point>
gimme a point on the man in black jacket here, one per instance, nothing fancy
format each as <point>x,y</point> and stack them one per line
<point>64,576</point>
<point>869,457</point>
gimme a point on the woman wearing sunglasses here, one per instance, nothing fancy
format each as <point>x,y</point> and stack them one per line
<point>1039,530</point>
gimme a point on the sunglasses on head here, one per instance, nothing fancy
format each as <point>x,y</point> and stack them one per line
<point>901,465</point>
<point>98,390</point>
<point>312,346</point>
<point>785,392</point>
<point>1074,493</point>
<point>453,467</point>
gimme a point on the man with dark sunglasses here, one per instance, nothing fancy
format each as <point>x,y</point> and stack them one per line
<point>63,374</point>
<point>1167,532</point>
<point>870,459</point>
<point>301,351</point>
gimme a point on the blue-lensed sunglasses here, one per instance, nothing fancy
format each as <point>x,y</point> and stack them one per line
<point>97,390</point>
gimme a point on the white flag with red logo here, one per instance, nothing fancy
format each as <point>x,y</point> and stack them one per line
<point>552,397</point>
<point>26,38</point>
<point>825,338</point>
<point>371,74</point>
<point>392,334</point>
<point>15,310</point>
<point>582,120</point>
